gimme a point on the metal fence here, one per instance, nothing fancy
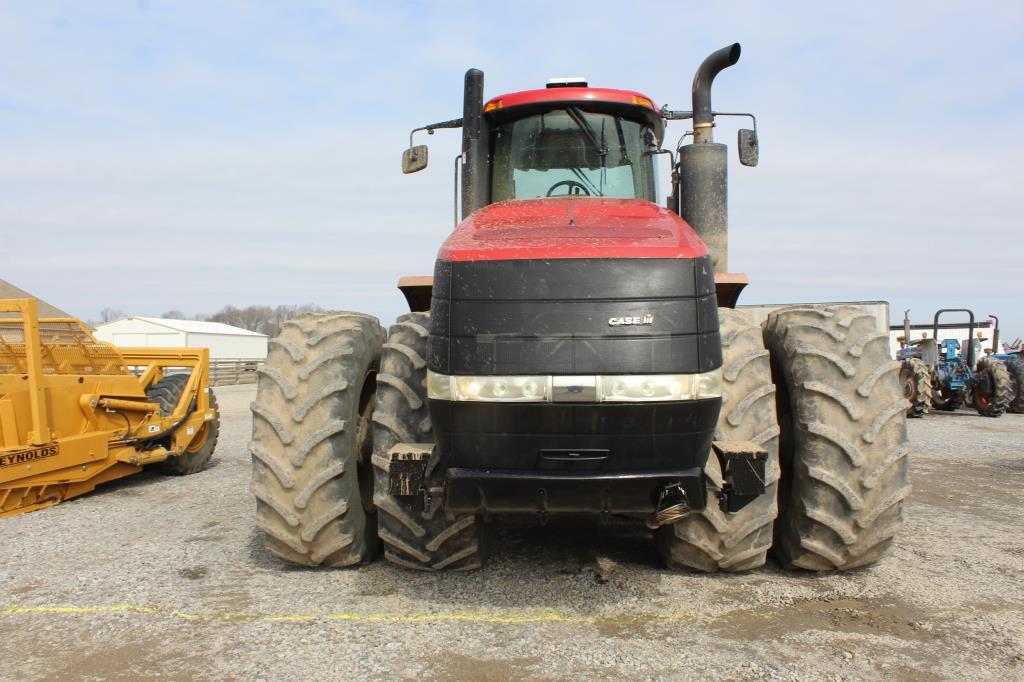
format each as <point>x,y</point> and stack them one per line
<point>228,372</point>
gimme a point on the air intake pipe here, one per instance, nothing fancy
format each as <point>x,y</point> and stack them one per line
<point>475,189</point>
<point>702,165</point>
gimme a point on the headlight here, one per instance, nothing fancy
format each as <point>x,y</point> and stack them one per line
<point>505,389</point>
<point>573,388</point>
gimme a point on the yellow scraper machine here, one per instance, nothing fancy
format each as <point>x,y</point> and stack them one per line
<point>76,412</point>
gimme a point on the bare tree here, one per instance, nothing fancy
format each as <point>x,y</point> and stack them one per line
<point>261,318</point>
<point>111,314</point>
<point>174,315</point>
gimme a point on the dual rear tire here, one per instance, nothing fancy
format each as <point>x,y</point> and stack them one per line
<point>311,440</point>
<point>333,397</point>
<point>820,394</point>
<point>415,534</point>
<point>844,452</point>
<point>713,540</point>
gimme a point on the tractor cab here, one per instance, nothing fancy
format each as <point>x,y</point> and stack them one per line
<point>567,139</point>
<point>572,140</point>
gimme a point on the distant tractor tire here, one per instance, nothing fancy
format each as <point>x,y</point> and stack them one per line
<point>993,392</point>
<point>843,442</point>
<point>916,380</point>
<point>414,537</point>
<point>311,440</point>
<point>1016,372</point>
<point>166,393</point>
<point>715,540</point>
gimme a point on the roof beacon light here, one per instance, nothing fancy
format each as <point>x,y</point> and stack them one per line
<point>568,82</point>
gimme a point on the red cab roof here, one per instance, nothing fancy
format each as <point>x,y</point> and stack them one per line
<point>516,104</point>
<point>571,94</point>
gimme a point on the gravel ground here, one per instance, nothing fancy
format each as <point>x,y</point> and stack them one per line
<point>160,576</point>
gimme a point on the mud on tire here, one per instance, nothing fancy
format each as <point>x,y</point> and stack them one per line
<point>916,380</point>
<point>311,440</point>
<point>167,393</point>
<point>843,445</point>
<point>425,540</point>
<point>714,540</point>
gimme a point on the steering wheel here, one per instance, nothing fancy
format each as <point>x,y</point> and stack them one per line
<point>572,188</point>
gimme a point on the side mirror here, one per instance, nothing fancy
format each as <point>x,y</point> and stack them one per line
<point>747,144</point>
<point>414,159</point>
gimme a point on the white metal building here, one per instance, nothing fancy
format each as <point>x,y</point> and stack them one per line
<point>224,341</point>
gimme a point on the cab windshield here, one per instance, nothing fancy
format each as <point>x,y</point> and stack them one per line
<point>572,152</point>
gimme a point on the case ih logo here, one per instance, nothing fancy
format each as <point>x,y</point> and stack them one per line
<point>27,456</point>
<point>624,321</point>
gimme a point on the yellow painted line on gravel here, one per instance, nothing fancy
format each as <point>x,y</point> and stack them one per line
<point>449,616</point>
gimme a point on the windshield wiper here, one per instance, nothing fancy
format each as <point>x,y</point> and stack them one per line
<point>579,119</point>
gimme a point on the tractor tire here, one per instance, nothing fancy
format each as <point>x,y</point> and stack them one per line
<point>714,540</point>
<point>166,393</point>
<point>311,440</point>
<point>995,402</point>
<point>1016,371</point>
<point>843,443</point>
<point>916,380</point>
<point>413,537</point>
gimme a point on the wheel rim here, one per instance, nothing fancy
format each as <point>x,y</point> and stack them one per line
<point>980,399</point>
<point>909,385</point>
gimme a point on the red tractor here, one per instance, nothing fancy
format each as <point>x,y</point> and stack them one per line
<point>577,351</point>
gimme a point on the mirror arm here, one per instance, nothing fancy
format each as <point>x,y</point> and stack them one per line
<point>670,115</point>
<point>729,113</point>
<point>454,123</point>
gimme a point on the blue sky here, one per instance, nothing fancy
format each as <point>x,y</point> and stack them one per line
<point>161,155</point>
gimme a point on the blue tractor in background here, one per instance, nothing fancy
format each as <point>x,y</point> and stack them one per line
<point>1014,365</point>
<point>945,376</point>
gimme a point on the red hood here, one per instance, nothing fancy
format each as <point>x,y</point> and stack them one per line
<point>570,227</point>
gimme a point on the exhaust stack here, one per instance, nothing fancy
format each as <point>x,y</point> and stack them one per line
<point>702,165</point>
<point>474,145</point>
<point>703,116</point>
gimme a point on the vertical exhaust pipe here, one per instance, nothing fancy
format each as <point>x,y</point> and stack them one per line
<point>703,118</point>
<point>475,188</point>
<point>702,165</point>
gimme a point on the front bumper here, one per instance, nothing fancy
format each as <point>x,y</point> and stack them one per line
<point>531,491</point>
<point>641,437</point>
